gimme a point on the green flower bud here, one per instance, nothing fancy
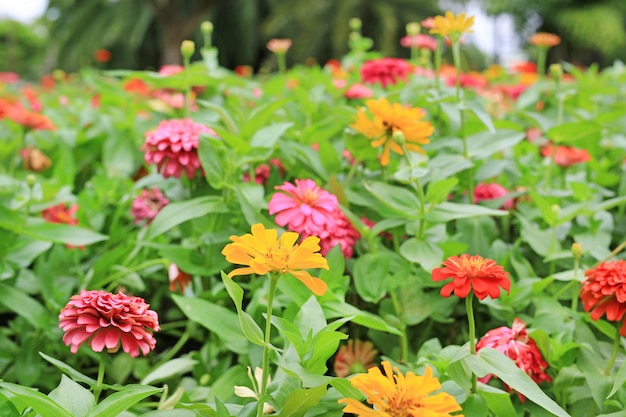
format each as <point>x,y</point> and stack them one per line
<point>355,24</point>
<point>412,28</point>
<point>206,27</point>
<point>187,48</point>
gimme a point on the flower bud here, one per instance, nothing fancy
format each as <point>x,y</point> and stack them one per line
<point>577,250</point>
<point>412,28</point>
<point>31,180</point>
<point>556,209</point>
<point>206,27</point>
<point>398,137</point>
<point>355,24</point>
<point>187,48</point>
<point>556,70</point>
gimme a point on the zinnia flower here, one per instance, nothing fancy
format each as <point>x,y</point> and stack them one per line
<point>481,275</point>
<point>29,119</point>
<point>566,156</point>
<point>61,214</point>
<point>452,26</point>
<point>491,192</point>
<point>392,126</point>
<point>358,91</point>
<point>515,343</point>
<point>263,252</point>
<point>279,46</point>
<point>419,41</point>
<point>544,39</point>
<point>102,55</point>
<point>396,395</point>
<point>603,292</point>
<point>173,147</point>
<point>104,320</point>
<point>385,71</point>
<point>147,205</point>
<point>341,233</point>
<point>354,357</point>
<point>178,278</point>
<point>304,207</point>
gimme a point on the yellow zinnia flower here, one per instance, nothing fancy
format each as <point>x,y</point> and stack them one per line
<point>263,252</point>
<point>394,395</point>
<point>452,26</point>
<point>393,126</point>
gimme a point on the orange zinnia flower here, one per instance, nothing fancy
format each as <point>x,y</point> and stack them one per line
<point>544,39</point>
<point>604,292</point>
<point>483,276</point>
<point>393,126</point>
<point>452,26</point>
<point>263,252</point>
<point>396,395</point>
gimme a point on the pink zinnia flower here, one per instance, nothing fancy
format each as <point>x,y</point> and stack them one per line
<point>341,232</point>
<point>104,320</point>
<point>167,70</point>
<point>566,156</point>
<point>515,343</point>
<point>262,172</point>
<point>147,205</point>
<point>419,41</point>
<point>491,192</point>
<point>385,71</point>
<point>304,208</point>
<point>358,91</point>
<point>173,147</point>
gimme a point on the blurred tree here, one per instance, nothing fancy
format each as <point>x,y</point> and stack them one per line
<point>21,49</point>
<point>591,30</point>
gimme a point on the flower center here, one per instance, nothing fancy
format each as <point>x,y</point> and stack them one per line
<point>278,257</point>
<point>310,196</point>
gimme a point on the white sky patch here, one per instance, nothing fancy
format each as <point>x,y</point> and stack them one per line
<point>22,10</point>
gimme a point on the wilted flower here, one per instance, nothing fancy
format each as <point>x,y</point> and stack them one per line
<point>173,147</point>
<point>390,121</point>
<point>354,357</point>
<point>104,320</point>
<point>179,280</point>
<point>304,207</point>
<point>419,41</point>
<point>491,192</point>
<point>452,25</point>
<point>397,395</point>
<point>481,275</point>
<point>544,39</point>
<point>603,292</point>
<point>566,156</point>
<point>262,252</point>
<point>279,46</point>
<point>358,91</point>
<point>385,71</point>
<point>147,205</point>
<point>515,343</point>
<point>34,159</point>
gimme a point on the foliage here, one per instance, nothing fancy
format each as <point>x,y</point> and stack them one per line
<point>23,48</point>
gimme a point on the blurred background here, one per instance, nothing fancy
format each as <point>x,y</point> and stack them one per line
<point>38,36</point>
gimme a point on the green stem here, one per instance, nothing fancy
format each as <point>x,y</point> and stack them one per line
<point>438,64</point>
<point>456,56</point>
<point>351,173</point>
<point>404,341</point>
<point>282,62</point>
<point>266,345</point>
<point>616,344</point>
<point>551,163</point>
<point>563,289</point>
<point>577,286</point>
<point>541,61</point>
<point>420,194</point>
<point>98,388</point>
<point>187,106</point>
<point>120,274</point>
<point>472,332</point>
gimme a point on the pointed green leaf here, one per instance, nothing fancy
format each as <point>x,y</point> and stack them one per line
<point>71,372</point>
<point>24,305</point>
<point>120,401</point>
<point>73,397</point>
<point>45,406</point>
<point>300,401</point>
<point>176,213</point>
<point>63,233</point>
<point>249,327</point>
<point>176,366</point>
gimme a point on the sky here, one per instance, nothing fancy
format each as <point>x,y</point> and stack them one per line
<point>486,29</point>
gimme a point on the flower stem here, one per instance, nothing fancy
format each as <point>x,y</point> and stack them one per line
<point>576,285</point>
<point>282,62</point>
<point>456,56</point>
<point>266,345</point>
<point>120,274</point>
<point>472,332</point>
<point>420,194</point>
<point>616,344</point>
<point>98,388</point>
<point>438,64</point>
<point>187,106</point>
<point>404,341</point>
<point>541,61</point>
<point>559,120</point>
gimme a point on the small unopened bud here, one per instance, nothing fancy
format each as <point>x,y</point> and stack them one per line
<point>58,74</point>
<point>398,137</point>
<point>556,71</point>
<point>556,208</point>
<point>31,180</point>
<point>204,379</point>
<point>206,27</point>
<point>577,250</point>
<point>355,24</point>
<point>187,48</point>
<point>413,28</point>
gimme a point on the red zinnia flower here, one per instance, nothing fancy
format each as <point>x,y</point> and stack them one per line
<point>481,275</point>
<point>147,205</point>
<point>105,320</point>
<point>515,343</point>
<point>604,292</point>
<point>102,55</point>
<point>566,156</point>
<point>385,71</point>
<point>355,357</point>
<point>173,147</point>
<point>61,214</point>
<point>491,192</point>
<point>136,85</point>
<point>28,119</point>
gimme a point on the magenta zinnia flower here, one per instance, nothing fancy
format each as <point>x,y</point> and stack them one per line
<point>104,320</point>
<point>304,208</point>
<point>385,71</point>
<point>173,147</point>
<point>491,192</point>
<point>147,205</point>
<point>341,233</point>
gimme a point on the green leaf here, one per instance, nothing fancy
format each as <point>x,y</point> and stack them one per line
<point>171,413</point>
<point>475,406</point>
<point>393,201</point>
<point>25,306</point>
<point>45,406</point>
<point>249,327</point>
<point>176,213</point>
<point>261,116</point>
<point>62,233</point>
<point>299,401</point>
<point>267,136</point>
<point>211,153</point>
<point>423,252</point>
<point>120,401</point>
<point>484,144</point>
<point>498,401</point>
<point>7,409</point>
<point>251,200</point>
<point>73,397</point>
<point>575,131</point>
<point>369,274</point>
<point>518,380</point>
<point>177,366</point>
<point>478,109</point>
<point>73,373</point>
<point>220,320</point>
<point>347,389</point>
<point>619,381</point>
<point>446,212</point>
<point>438,191</point>
<point>337,308</point>
<point>220,409</point>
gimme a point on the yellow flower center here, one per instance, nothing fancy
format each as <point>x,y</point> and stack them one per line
<point>310,196</point>
<point>278,257</point>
